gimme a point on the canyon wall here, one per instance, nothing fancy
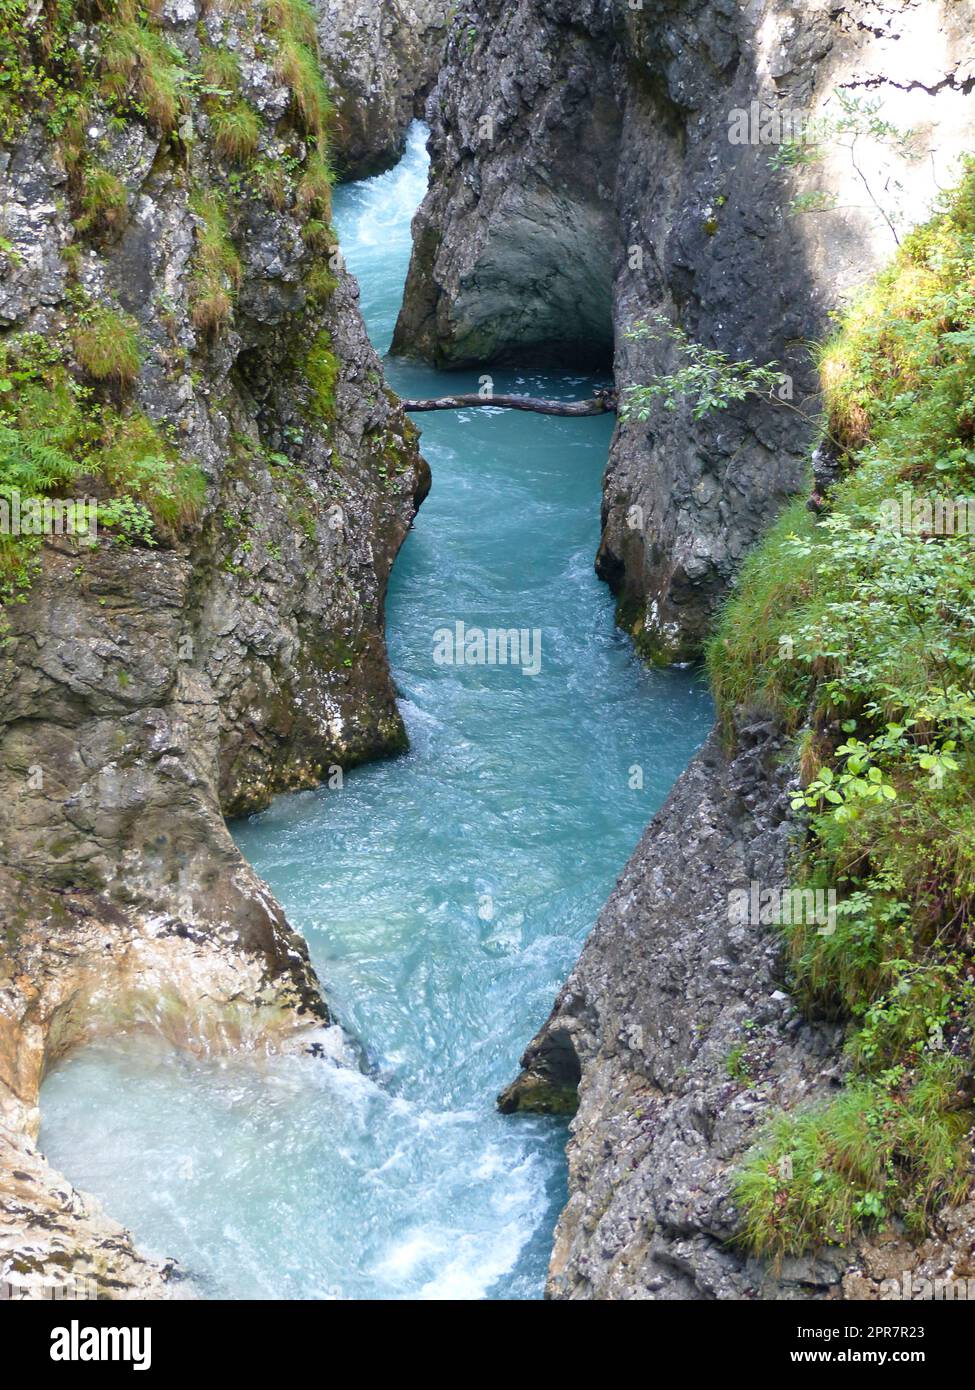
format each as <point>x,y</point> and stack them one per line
<point>149,690</point>
<point>381,57</point>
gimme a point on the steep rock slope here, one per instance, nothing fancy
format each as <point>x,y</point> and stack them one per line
<point>381,58</point>
<point>176,345</point>
<point>584,178</point>
<point>666,990</point>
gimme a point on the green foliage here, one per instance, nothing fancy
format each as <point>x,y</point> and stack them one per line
<point>750,656</point>
<point>236,126</point>
<point>104,203</point>
<point>292,24</point>
<point>707,379</point>
<point>141,71</point>
<point>315,188</point>
<point>883,1147</point>
<point>236,130</point>
<point>737,1065</point>
<point>106,344</point>
<point>864,631</point>
<point>858,123</point>
<point>216,265</point>
<point>322,374</point>
<point>58,439</point>
<point>41,65</point>
<point>138,464</point>
<point>318,236</point>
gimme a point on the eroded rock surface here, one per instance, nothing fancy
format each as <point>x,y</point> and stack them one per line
<point>676,1037</point>
<point>381,58</point>
<point>584,173</point>
<point>667,989</point>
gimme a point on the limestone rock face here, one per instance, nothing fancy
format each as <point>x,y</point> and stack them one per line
<point>514,245</point>
<point>148,692</point>
<point>668,987</point>
<point>381,58</point>
<point>585,177</point>
<point>677,1038</point>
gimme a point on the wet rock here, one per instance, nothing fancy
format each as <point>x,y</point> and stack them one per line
<point>148,693</point>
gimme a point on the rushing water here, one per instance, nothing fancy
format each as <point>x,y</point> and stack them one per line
<point>444,895</point>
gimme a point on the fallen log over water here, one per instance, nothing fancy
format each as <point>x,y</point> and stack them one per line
<point>602,403</point>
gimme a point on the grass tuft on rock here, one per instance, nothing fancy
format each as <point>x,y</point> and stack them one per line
<point>216,266</point>
<point>144,72</point>
<point>106,344</point>
<point>292,24</point>
<point>104,204</point>
<point>236,131</point>
<point>825,1172</point>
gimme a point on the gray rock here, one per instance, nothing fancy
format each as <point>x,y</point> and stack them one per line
<point>381,57</point>
<point>146,694</point>
<point>668,987</point>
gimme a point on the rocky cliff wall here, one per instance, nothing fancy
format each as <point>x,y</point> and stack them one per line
<point>166,194</point>
<point>381,58</point>
<point>677,1039</point>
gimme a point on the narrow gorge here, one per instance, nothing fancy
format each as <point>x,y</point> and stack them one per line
<point>320,760</point>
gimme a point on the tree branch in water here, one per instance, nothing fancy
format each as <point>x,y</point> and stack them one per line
<point>602,403</point>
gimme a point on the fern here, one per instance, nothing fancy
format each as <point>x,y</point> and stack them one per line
<point>32,466</point>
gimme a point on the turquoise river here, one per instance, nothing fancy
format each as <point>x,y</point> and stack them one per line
<point>445,895</point>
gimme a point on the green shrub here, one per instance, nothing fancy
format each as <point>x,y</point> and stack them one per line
<point>236,125</point>
<point>137,463</point>
<point>59,438</point>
